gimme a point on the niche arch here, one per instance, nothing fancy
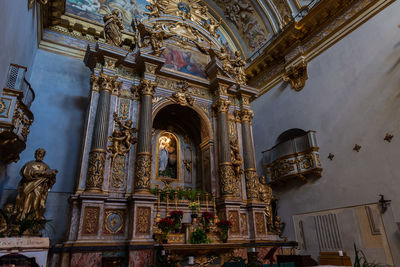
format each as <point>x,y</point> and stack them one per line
<point>192,129</point>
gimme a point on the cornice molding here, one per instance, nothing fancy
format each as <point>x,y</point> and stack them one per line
<point>326,24</point>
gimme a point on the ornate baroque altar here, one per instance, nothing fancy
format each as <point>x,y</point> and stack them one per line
<point>173,113</point>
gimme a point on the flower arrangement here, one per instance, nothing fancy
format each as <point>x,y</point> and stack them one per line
<point>166,225</point>
<point>199,236</point>
<point>224,226</point>
<point>206,218</point>
<point>176,216</point>
<point>194,206</point>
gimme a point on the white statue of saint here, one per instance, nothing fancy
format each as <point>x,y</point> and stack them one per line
<point>163,153</point>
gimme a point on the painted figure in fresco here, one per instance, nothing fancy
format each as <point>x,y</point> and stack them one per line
<point>163,153</point>
<point>37,180</point>
<point>167,166</point>
<point>112,28</point>
<point>183,61</point>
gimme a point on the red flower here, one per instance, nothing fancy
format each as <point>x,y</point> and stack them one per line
<point>224,225</point>
<point>176,213</point>
<point>166,224</point>
<point>207,215</point>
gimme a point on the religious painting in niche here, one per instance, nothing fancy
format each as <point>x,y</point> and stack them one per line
<point>167,156</point>
<point>186,61</point>
<point>96,9</point>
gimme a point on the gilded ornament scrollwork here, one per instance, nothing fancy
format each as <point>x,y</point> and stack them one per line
<point>233,216</point>
<point>246,115</point>
<point>297,75</point>
<point>143,220</point>
<point>222,105</point>
<point>145,87</point>
<point>228,181</point>
<point>95,173</point>
<point>143,171</point>
<point>118,172</point>
<point>252,185</point>
<point>114,221</point>
<point>91,221</point>
<point>260,223</point>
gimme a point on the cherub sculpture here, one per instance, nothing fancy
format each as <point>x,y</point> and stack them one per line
<point>112,28</point>
<point>212,27</point>
<point>122,138</point>
<point>182,97</point>
<point>222,55</point>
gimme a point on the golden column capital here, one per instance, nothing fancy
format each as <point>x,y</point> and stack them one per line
<point>246,115</point>
<point>145,87</point>
<point>222,105</point>
<point>104,82</point>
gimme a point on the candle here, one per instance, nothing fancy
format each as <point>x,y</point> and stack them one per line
<point>253,249</point>
<point>163,252</point>
<point>191,260</point>
<point>340,253</point>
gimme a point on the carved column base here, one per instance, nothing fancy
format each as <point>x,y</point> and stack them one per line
<point>228,181</point>
<point>143,172</point>
<point>252,185</point>
<point>95,172</point>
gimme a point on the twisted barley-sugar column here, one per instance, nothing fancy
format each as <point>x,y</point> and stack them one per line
<point>250,171</point>
<point>97,155</point>
<point>228,182</point>
<point>146,89</point>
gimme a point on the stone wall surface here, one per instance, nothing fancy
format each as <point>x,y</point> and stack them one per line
<point>351,97</point>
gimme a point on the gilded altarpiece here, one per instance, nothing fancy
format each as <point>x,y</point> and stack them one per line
<point>169,114</point>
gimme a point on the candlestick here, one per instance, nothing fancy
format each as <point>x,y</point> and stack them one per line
<point>198,201</point>
<point>207,202</point>
<point>176,199</point>
<point>158,217</point>
<point>167,193</point>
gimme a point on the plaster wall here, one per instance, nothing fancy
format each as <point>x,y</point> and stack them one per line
<point>18,36</point>
<point>352,96</point>
<point>62,86</point>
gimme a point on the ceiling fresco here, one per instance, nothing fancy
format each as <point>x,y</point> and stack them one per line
<point>246,25</point>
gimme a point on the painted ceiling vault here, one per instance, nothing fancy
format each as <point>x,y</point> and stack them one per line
<point>246,25</point>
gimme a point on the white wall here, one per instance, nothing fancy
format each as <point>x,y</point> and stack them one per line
<point>352,96</point>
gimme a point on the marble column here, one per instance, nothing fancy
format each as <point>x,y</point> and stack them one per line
<point>227,179</point>
<point>97,155</point>
<point>250,170</point>
<point>146,89</point>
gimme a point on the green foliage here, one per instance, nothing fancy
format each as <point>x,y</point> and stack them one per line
<point>186,194</point>
<point>26,226</point>
<point>199,236</point>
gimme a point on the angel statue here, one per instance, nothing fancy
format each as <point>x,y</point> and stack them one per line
<point>212,27</point>
<point>222,55</point>
<point>238,68</point>
<point>122,138</point>
<point>236,158</point>
<point>112,28</point>
<point>37,180</point>
<point>153,36</point>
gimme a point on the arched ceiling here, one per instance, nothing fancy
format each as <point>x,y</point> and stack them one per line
<point>246,25</point>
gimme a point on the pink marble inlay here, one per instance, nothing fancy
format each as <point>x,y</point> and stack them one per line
<point>141,258</point>
<point>86,259</point>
